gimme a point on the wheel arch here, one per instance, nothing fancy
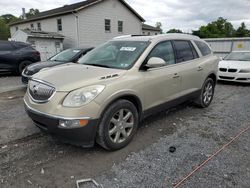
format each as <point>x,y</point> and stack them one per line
<point>130,97</point>
<point>213,76</point>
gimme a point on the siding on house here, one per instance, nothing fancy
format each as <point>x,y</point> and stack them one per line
<point>90,24</point>
<point>50,25</point>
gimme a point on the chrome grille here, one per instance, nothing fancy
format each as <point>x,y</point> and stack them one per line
<point>40,92</point>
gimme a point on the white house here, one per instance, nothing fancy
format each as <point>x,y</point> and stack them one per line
<point>150,30</point>
<point>87,23</point>
<point>47,43</point>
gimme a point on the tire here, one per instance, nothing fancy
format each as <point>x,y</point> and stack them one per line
<point>207,94</point>
<point>118,117</point>
<point>22,66</point>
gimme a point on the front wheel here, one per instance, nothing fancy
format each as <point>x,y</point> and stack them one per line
<point>118,125</point>
<point>207,93</point>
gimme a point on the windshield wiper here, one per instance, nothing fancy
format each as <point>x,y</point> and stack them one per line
<point>97,65</point>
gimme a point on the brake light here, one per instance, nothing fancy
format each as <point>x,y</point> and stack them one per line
<point>37,53</point>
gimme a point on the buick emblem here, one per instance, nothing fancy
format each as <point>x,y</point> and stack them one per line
<point>35,89</point>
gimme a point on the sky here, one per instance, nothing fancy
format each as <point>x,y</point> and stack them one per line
<point>186,15</point>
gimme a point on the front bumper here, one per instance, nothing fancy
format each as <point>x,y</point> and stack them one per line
<point>83,136</point>
<point>234,77</point>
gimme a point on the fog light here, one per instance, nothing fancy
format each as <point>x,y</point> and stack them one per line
<point>70,124</point>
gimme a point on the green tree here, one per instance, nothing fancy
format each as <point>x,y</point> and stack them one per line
<point>216,29</point>
<point>32,12</point>
<point>242,31</point>
<point>9,18</point>
<point>4,30</point>
<point>159,25</point>
<point>174,31</point>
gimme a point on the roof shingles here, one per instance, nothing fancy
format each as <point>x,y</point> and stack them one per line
<point>69,9</point>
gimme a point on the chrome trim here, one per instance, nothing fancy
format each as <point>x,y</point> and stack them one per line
<point>53,116</point>
<point>45,83</point>
<point>25,75</point>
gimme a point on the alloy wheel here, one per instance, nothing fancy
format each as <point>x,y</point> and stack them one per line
<point>208,93</point>
<point>121,126</point>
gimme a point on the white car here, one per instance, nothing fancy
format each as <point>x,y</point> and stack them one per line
<point>235,67</point>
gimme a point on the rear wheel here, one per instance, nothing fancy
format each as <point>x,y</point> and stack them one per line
<point>207,93</point>
<point>118,125</point>
<point>22,66</point>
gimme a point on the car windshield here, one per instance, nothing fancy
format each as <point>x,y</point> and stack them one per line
<point>115,54</point>
<point>238,56</point>
<point>65,55</point>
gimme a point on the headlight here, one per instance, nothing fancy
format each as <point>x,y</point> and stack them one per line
<point>245,71</point>
<point>82,96</point>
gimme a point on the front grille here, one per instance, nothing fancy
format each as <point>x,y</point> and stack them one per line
<point>226,77</point>
<point>232,70</point>
<point>223,69</point>
<point>40,92</point>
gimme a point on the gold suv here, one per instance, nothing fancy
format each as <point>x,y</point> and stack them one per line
<point>104,97</point>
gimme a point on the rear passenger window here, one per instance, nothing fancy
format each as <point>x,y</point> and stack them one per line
<point>203,47</point>
<point>163,50</point>
<point>184,51</point>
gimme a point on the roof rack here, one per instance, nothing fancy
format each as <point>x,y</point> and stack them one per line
<point>125,36</point>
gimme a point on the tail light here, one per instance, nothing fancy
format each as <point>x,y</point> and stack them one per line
<point>37,53</point>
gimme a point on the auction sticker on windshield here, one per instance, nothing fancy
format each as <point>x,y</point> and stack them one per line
<point>129,49</point>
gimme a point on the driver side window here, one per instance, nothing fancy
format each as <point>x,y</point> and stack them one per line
<point>163,50</point>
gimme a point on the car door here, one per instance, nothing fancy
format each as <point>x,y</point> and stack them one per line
<point>6,56</point>
<point>163,83</point>
<point>189,65</point>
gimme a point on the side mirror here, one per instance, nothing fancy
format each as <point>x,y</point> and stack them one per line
<point>155,62</point>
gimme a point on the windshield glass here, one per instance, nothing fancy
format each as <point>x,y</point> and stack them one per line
<point>238,56</point>
<point>115,54</point>
<point>65,55</point>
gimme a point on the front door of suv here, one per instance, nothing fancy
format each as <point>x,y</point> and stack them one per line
<point>6,56</point>
<point>189,65</point>
<point>161,84</point>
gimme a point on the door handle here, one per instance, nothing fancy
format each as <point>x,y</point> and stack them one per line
<point>176,75</point>
<point>200,68</point>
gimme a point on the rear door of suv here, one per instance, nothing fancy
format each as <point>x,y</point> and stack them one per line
<point>189,65</point>
<point>161,84</point>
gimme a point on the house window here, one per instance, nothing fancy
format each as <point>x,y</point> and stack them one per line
<point>148,33</point>
<point>32,26</point>
<point>39,28</point>
<point>59,24</point>
<point>143,33</point>
<point>156,33</point>
<point>16,28</point>
<point>107,25</point>
<point>120,26</point>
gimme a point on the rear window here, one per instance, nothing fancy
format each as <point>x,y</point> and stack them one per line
<point>184,51</point>
<point>203,47</point>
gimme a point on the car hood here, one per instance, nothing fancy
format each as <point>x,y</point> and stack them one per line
<point>36,67</point>
<point>234,64</point>
<point>72,76</point>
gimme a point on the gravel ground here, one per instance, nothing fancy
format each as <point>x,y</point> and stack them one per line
<point>38,160</point>
<point>10,82</point>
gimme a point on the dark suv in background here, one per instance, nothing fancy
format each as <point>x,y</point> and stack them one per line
<point>15,56</point>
